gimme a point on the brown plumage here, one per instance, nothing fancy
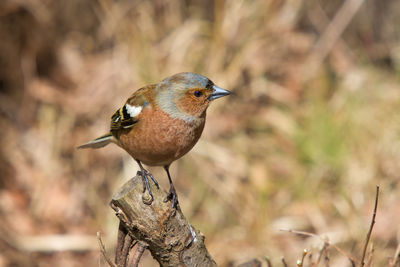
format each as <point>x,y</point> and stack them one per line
<point>160,123</point>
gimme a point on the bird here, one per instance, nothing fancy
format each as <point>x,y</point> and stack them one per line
<point>159,123</point>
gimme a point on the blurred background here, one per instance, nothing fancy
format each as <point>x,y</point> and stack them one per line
<point>313,128</point>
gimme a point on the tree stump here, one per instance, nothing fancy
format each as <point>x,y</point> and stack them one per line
<point>164,231</point>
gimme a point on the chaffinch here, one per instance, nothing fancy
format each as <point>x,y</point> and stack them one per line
<point>160,123</point>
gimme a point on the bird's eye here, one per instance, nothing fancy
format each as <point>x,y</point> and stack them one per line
<point>198,93</point>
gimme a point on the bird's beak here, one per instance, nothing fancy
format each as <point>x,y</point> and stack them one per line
<point>218,92</point>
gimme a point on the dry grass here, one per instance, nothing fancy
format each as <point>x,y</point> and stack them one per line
<point>300,146</point>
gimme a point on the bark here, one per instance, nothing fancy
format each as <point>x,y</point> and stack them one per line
<point>165,231</point>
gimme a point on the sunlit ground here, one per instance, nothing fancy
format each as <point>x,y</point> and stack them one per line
<point>313,126</point>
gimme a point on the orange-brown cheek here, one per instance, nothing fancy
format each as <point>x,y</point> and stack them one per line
<point>193,105</point>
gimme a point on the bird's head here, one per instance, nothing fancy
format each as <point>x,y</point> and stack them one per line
<point>187,95</point>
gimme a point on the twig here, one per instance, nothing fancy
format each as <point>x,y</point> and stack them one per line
<point>371,227</point>
<point>370,256</point>
<point>396,257</point>
<point>321,252</point>
<point>310,258</point>
<point>351,259</point>
<point>300,263</point>
<point>103,251</point>
<point>327,258</point>
<point>284,262</point>
<point>141,247</point>
<point>269,264</point>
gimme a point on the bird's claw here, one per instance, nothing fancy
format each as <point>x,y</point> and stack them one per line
<point>146,185</point>
<point>173,197</point>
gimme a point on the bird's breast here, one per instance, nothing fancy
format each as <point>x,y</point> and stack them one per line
<point>157,139</point>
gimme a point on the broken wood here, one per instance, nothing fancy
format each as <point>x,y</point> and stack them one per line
<point>164,231</point>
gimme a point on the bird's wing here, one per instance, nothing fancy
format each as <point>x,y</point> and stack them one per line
<point>128,115</point>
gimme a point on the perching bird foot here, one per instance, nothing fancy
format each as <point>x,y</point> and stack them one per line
<point>146,185</point>
<point>147,198</point>
<point>173,197</point>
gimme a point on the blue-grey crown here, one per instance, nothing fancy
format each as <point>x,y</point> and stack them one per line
<point>189,80</point>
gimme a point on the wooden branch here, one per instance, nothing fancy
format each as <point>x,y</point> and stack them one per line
<point>124,244</point>
<point>370,227</point>
<point>103,251</point>
<point>165,231</point>
<point>141,247</point>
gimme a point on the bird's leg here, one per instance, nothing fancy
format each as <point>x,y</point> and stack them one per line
<point>145,178</point>
<point>172,193</point>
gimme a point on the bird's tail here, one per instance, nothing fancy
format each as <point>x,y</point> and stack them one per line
<point>98,142</point>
